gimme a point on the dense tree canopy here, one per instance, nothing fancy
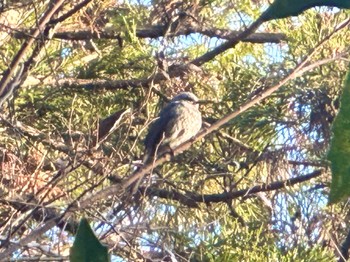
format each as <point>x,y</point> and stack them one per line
<point>82,82</point>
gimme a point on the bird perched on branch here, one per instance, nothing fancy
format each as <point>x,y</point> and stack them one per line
<point>177,123</point>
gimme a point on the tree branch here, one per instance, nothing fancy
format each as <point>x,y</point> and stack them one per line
<point>99,84</point>
<point>53,7</point>
<point>229,44</point>
<point>70,12</point>
<point>158,31</point>
<point>215,198</point>
<point>42,30</point>
<point>190,199</point>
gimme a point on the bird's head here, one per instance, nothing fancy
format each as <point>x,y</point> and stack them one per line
<point>186,96</point>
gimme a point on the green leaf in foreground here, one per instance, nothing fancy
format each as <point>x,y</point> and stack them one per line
<point>286,8</point>
<point>86,246</point>
<point>339,153</point>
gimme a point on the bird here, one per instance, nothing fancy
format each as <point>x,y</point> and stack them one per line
<point>178,122</point>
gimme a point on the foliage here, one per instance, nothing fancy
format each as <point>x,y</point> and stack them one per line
<point>253,186</point>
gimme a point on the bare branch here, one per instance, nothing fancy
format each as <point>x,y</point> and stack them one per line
<point>229,44</point>
<point>35,234</point>
<point>70,12</point>
<point>215,198</point>
<point>190,199</point>
<point>159,31</point>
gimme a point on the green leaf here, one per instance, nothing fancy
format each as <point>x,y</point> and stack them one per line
<point>87,247</point>
<point>339,153</point>
<point>286,8</point>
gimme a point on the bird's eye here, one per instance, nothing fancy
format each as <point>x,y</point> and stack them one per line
<point>190,100</point>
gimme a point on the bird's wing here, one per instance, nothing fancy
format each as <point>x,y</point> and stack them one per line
<point>160,126</point>
<point>171,114</point>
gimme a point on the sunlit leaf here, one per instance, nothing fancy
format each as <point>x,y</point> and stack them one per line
<point>87,247</point>
<point>339,153</point>
<point>286,8</point>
